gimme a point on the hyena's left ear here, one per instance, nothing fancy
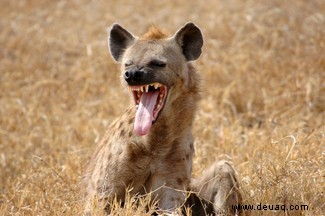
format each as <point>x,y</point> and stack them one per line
<point>190,39</point>
<point>119,40</point>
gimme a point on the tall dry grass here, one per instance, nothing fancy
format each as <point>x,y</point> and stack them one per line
<point>263,71</point>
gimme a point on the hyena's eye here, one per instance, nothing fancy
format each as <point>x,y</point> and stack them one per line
<point>128,63</point>
<point>157,63</point>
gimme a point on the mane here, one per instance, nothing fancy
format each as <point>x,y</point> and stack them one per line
<point>154,33</point>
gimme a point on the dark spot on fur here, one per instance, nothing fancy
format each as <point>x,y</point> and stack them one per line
<point>175,144</point>
<point>130,120</point>
<point>192,146</point>
<point>135,152</point>
<point>122,133</point>
<point>130,133</point>
<point>187,156</point>
<point>180,181</point>
<point>133,156</point>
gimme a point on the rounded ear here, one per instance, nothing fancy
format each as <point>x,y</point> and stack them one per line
<point>119,40</point>
<point>190,39</point>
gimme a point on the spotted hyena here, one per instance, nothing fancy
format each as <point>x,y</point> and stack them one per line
<point>150,147</point>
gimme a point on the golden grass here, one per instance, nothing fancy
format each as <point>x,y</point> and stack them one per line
<point>263,71</point>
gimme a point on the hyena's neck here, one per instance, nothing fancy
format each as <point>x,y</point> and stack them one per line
<point>177,119</point>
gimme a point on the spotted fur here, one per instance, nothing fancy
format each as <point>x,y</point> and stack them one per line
<point>161,161</point>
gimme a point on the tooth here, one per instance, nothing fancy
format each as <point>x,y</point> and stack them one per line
<point>156,85</point>
<point>141,89</point>
<point>147,88</point>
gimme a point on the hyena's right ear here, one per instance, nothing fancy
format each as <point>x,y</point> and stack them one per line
<point>119,40</point>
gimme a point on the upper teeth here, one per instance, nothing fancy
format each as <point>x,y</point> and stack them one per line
<point>144,88</point>
<point>156,85</point>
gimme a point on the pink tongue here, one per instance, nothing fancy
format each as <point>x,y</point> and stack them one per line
<point>144,115</point>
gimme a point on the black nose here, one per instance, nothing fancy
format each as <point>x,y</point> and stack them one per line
<point>132,76</point>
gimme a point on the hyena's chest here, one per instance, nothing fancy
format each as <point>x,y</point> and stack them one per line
<point>144,160</point>
<point>170,163</point>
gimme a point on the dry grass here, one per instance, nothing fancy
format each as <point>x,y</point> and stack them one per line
<point>263,68</point>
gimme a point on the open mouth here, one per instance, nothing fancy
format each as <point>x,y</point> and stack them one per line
<point>149,100</point>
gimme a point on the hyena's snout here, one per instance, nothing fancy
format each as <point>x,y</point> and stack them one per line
<point>136,77</point>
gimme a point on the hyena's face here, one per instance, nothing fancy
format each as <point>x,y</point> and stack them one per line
<point>153,69</point>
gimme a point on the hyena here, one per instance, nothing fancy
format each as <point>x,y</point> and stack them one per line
<point>150,147</point>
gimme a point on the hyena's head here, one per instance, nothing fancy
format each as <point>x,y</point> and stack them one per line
<point>154,68</point>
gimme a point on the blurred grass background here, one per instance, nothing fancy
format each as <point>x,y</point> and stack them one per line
<point>263,71</point>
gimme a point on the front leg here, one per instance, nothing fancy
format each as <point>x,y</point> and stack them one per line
<point>218,187</point>
<point>170,184</point>
<point>170,189</point>
<point>170,199</point>
<point>172,174</point>
<point>116,167</point>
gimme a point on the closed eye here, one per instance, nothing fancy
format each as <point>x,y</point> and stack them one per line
<point>157,63</point>
<point>128,63</point>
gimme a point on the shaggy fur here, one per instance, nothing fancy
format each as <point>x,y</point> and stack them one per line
<point>160,161</point>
